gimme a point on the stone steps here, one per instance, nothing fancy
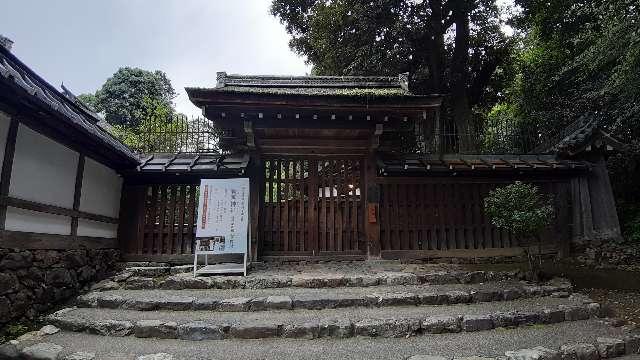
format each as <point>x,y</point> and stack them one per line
<point>140,278</point>
<point>386,322</point>
<point>489,344</point>
<point>318,298</point>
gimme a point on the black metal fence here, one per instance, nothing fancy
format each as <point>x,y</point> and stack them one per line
<point>177,133</point>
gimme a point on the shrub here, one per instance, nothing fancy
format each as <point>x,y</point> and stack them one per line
<point>521,209</point>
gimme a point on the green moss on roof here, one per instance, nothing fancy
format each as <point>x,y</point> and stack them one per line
<point>318,91</point>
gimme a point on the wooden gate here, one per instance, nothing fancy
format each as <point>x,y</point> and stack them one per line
<point>312,206</point>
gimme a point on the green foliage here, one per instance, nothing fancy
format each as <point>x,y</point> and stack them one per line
<point>132,94</point>
<point>89,100</point>
<point>352,37</point>
<point>519,208</point>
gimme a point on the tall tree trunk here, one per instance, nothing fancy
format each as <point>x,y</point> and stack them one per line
<point>460,75</point>
<point>436,55</point>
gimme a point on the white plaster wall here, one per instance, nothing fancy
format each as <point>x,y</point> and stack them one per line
<point>37,222</point>
<point>43,170</point>
<point>4,130</point>
<point>101,188</point>
<point>97,228</point>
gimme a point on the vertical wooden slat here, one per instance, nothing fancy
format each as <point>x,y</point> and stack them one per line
<point>322,213</point>
<point>153,216</point>
<point>355,219</point>
<point>162,228</point>
<point>330,215</point>
<point>182,196</point>
<point>285,195</point>
<point>276,205</point>
<point>171,219</point>
<point>191,229</point>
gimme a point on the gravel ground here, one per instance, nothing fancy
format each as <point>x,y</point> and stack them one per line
<point>625,303</point>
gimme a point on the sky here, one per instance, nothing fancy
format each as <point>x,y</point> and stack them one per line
<point>83,42</point>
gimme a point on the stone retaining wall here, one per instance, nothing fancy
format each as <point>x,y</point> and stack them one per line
<point>33,281</point>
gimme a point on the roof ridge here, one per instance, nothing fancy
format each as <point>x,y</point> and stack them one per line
<point>397,82</point>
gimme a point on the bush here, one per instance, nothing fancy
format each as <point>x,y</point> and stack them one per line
<point>521,209</point>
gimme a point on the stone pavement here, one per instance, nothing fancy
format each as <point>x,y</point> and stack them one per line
<point>369,310</point>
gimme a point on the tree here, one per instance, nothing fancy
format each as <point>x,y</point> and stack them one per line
<point>582,57</point>
<point>125,96</point>
<point>89,100</point>
<point>522,210</point>
<point>447,45</point>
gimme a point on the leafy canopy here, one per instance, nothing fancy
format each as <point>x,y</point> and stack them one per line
<point>519,208</point>
<point>125,97</point>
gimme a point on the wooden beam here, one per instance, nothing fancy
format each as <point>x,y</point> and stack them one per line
<point>7,165</point>
<point>77,193</point>
<point>55,210</point>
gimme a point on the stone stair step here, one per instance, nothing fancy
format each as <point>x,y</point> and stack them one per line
<point>490,344</point>
<point>323,298</point>
<point>358,321</point>
<point>158,278</point>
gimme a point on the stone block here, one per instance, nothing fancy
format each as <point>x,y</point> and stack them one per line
<point>276,302</point>
<point>110,301</point>
<point>398,278</point>
<point>506,319</point>
<point>253,331</point>
<point>156,329</point>
<point>42,351</point>
<point>395,299</point>
<point>388,328</point>
<point>610,347</point>
<point>17,260</point>
<point>81,355</point>
<point>336,328</point>
<point>536,353</point>
<point>579,352</point>
<point>477,323</point>
<point>428,357</point>
<point>526,318</point>
<point>175,303</point>
<point>200,330</point>
<point>441,324</point>
<point>552,316</point>
<point>235,304</point>
<point>487,295</point>
<point>8,283</point>
<point>206,303</point>
<point>110,327</point>
<point>139,283</point>
<point>59,277</point>
<point>309,330</point>
<point>511,294</point>
<point>632,344</point>
<point>574,313</point>
<point>185,281</point>
<point>429,298</point>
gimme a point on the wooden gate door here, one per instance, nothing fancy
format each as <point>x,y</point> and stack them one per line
<point>312,206</point>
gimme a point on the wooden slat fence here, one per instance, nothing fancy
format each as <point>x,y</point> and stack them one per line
<point>312,206</point>
<point>449,215</point>
<point>169,219</point>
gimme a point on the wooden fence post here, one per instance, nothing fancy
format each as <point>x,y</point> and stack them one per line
<point>372,208</point>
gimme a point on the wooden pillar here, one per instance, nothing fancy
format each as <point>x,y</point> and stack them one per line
<point>604,214</point>
<point>256,175</point>
<point>372,207</point>
<point>132,216</point>
<point>7,166</point>
<point>76,195</point>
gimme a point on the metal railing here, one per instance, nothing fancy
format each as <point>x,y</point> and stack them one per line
<point>174,134</point>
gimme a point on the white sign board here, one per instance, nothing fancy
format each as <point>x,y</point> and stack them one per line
<point>223,218</point>
<point>223,214</point>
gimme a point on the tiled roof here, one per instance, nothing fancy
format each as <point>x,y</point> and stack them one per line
<point>476,163</point>
<point>579,136</point>
<point>29,84</point>
<point>344,86</point>
<point>214,164</point>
